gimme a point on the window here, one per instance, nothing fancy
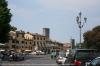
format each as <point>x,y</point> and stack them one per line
<point>41,38</point>
<point>17,42</point>
<point>34,37</point>
<point>17,47</point>
<point>34,42</point>
<point>13,46</point>
<point>22,35</point>
<point>44,38</point>
<point>17,35</point>
<point>13,41</point>
<point>22,41</point>
<point>37,38</point>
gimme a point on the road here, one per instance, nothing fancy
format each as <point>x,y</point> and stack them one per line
<point>32,60</point>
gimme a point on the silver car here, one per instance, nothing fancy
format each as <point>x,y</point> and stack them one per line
<point>94,62</point>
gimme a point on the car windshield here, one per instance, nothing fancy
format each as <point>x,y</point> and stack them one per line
<point>85,54</point>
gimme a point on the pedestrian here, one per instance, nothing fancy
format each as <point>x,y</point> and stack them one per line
<point>57,53</point>
<point>10,57</point>
<point>52,55</point>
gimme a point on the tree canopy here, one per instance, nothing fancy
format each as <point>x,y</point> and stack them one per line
<point>5,18</point>
<point>92,38</point>
<point>13,28</point>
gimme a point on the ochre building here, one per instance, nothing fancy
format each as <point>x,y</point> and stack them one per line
<point>21,41</point>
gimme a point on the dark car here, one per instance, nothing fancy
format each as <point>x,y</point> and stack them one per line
<point>80,56</point>
<point>16,57</point>
<point>19,56</point>
<point>94,62</point>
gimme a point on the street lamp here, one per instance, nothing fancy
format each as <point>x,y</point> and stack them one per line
<point>80,23</point>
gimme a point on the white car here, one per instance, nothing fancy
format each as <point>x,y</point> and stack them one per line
<point>60,60</point>
<point>33,53</point>
<point>40,52</point>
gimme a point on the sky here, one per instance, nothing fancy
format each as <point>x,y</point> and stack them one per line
<point>58,15</point>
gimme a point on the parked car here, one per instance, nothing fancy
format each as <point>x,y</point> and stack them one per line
<point>60,59</point>
<point>4,55</point>
<point>1,53</point>
<point>39,52</point>
<point>94,62</point>
<point>33,53</point>
<point>80,56</point>
<point>1,59</point>
<point>17,57</point>
<point>20,56</point>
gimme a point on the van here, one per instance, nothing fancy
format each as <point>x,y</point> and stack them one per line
<point>80,56</point>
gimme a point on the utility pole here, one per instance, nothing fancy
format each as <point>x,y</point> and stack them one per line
<point>80,23</point>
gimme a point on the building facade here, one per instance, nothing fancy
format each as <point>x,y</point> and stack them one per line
<point>21,41</point>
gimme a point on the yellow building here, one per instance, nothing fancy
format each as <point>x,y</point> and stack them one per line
<point>21,41</point>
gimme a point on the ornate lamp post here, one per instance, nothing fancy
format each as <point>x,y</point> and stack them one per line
<point>80,23</point>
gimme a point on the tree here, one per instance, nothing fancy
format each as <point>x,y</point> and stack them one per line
<point>92,38</point>
<point>13,28</point>
<point>5,18</point>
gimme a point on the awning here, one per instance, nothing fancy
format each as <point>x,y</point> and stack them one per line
<point>2,50</point>
<point>2,44</point>
<point>28,50</point>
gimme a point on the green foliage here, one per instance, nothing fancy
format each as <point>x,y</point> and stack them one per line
<point>13,28</point>
<point>5,18</point>
<point>82,45</point>
<point>92,38</point>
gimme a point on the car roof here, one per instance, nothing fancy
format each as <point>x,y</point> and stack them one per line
<point>82,49</point>
<point>85,49</point>
<point>97,57</point>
